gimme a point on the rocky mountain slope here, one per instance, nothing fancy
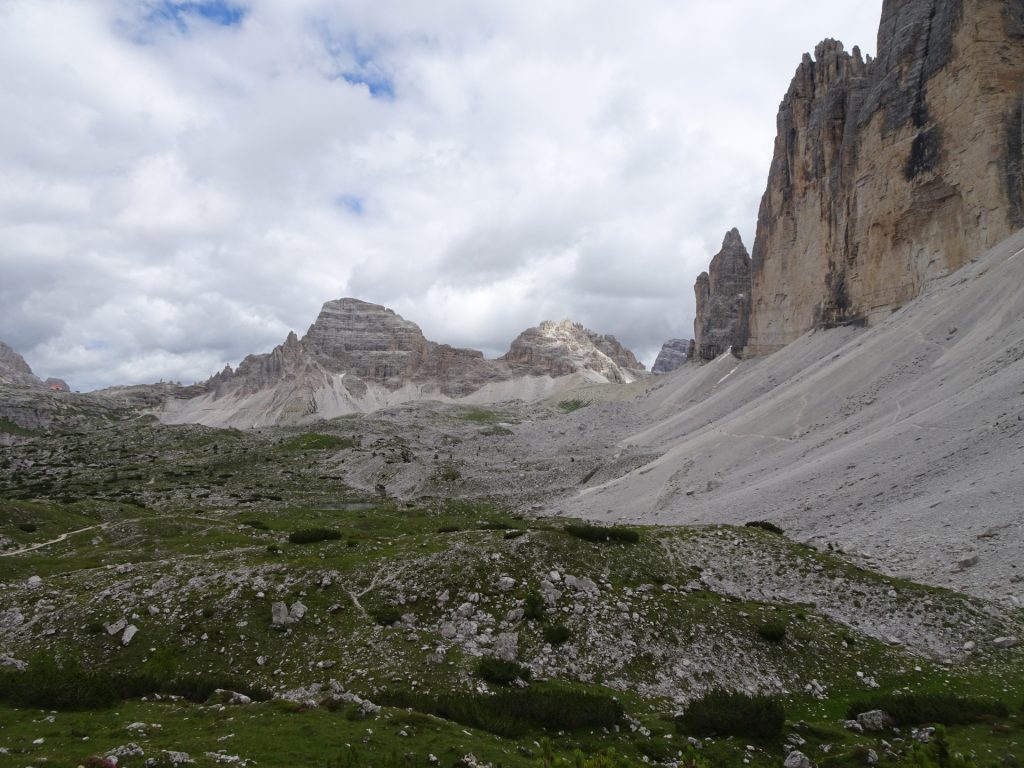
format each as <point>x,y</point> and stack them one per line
<point>889,173</point>
<point>358,357</point>
<point>903,441</point>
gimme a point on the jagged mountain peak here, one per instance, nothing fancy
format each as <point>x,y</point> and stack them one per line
<point>358,356</point>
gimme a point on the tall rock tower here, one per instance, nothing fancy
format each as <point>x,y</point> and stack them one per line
<point>890,172</point>
<point>723,301</point>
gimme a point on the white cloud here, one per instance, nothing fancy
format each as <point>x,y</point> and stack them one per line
<point>177,193</point>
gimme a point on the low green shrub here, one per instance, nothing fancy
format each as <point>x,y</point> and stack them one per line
<point>515,712</point>
<point>533,606</point>
<point>49,685</point>
<point>386,615</point>
<point>764,525</point>
<point>449,529</point>
<point>28,527</point>
<point>513,534</point>
<point>919,708</point>
<point>501,672</point>
<point>313,535</point>
<point>731,713</point>
<point>773,630</point>
<point>557,634</point>
<point>568,406</point>
<point>601,533</point>
<point>259,525</point>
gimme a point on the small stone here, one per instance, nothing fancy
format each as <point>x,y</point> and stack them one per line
<point>34,581</point>
<point>279,614</point>
<point>1005,642</point>
<point>116,627</point>
<point>129,633</point>
<point>797,759</point>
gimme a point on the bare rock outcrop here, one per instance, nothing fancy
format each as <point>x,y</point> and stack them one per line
<point>672,355</point>
<point>888,173</point>
<point>723,301</point>
<point>14,370</point>
<point>559,349</point>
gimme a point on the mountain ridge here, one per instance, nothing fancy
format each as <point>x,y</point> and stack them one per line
<point>357,357</point>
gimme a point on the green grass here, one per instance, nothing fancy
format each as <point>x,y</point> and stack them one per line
<point>315,441</point>
<point>198,550</point>
<point>8,426</point>
<point>568,406</point>
<point>602,533</point>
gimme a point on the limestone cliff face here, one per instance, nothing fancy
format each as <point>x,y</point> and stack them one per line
<point>723,301</point>
<point>672,355</point>
<point>890,172</point>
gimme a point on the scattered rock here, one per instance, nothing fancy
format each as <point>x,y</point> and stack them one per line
<point>874,720</point>
<point>279,614</point>
<point>797,759</point>
<point>129,633</point>
<point>1005,642</point>
<point>115,627</point>
<point>506,646</point>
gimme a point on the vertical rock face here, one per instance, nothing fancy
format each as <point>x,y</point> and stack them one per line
<point>889,173</point>
<point>14,369</point>
<point>672,355</point>
<point>723,301</point>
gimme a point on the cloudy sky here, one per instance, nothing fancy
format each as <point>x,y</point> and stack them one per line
<point>182,183</point>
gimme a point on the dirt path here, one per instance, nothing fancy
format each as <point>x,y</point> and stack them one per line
<point>57,540</point>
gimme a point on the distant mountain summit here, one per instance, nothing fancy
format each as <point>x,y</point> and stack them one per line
<point>358,357</point>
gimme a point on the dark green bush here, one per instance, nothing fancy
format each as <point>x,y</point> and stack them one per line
<point>313,535</point>
<point>601,533</point>
<point>533,607</point>
<point>515,534</point>
<point>764,525</point>
<point>449,529</point>
<point>495,525</point>
<point>556,634</point>
<point>259,525</point>
<point>731,713</point>
<point>514,712</point>
<point>49,685</point>
<point>773,630</point>
<point>28,527</point>
<point>944,708</point>
<point>386,615</point>
<point>501,672</point>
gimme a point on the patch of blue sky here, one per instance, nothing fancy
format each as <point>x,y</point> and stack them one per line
<point>352,203</point>
<point>178,12</point>
<point>357,64</point>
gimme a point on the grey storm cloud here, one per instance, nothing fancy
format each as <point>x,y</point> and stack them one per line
<point>181,183</point>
